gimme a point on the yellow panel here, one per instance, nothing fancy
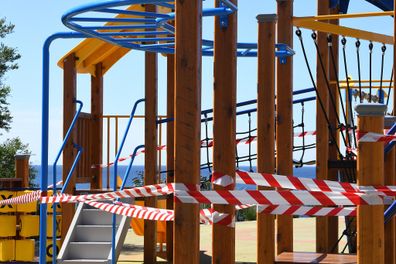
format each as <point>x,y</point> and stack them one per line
<point>29,225</point>
<point>49,248</point>
<point>7,225</point>
<point>7,250</point>
<point>58,226</point>
<point>4,195</point>
<point>26,208</point>
<point>24,250</point>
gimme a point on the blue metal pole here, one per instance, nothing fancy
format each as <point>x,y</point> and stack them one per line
<point>44,137</point>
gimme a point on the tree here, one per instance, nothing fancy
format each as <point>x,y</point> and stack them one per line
<point>8,58</point>
<point>8,149</point>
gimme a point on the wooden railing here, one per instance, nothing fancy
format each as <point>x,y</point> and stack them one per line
<point>84,139</point>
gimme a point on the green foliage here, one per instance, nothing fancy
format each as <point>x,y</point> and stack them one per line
<point>8,58</point>
<point>248,214</point>
<point>8,149</point>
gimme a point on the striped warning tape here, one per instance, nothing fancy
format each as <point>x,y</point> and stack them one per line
<point>298,183</point>
<point>308,198</point>
<point>374,137</point>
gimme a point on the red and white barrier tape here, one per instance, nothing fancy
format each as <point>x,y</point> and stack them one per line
<point>374,137</point>
<point>298,183</point>
<point>308,198</point>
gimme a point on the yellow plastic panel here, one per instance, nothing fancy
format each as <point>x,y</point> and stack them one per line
<point>4,195</point>
<point>7,225</point>
<point>49,248</point>
<point>24,250</point>
<point>26,208</point>
<point>29,225</point>
<point>7,250</point>
<point>58,226</point>
<point>50,207</point>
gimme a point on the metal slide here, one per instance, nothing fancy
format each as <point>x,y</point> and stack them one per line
<point>88,239</point>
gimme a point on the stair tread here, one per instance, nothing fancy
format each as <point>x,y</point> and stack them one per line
<point>89,243</point>
<point>109,225</point>
<point>85,260</point>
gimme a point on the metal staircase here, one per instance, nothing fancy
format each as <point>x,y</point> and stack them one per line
<point>88,239</point>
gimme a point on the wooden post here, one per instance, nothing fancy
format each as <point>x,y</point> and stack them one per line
<point>266,129</point>
<point>150,143</point>
<point>224,115</point>
<point>370,171</point>
<point>390,227</point>
<point>170,148</point>
<point>333,153</point>
<point>69,110</point>
<point>97,125</point>
<point>22,168</point>
<point>284,118</point>
<point>322,130</point>
<point>187,126</point>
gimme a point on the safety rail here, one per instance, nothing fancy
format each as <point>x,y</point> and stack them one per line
<point>126,175</point>
<point>131,117</point>
<point>54,176</point>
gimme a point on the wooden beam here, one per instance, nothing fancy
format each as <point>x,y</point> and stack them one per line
<point>266,129</point>
<point>370,171</point>
<point>284,120</point>
<point>333,153</point>
<point>96,150</point>
<point>390,227</point>
<point>187,126</point>
<point>322,130</point>
<point>170,148</point>
<point>150,142</point>
<point>394,56</point>
<point>224,116</point>
<point>22,169</point>
<point>69,110</point>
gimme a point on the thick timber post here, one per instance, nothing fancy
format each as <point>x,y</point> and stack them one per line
<point>266,129</point>
<point>224,113</point>
<point>370,171</point>
<point>322,130</point>
<point>22,169</point>
<point>187,126</point>
<point>170,148</point>
<point>69,110</point>
<point>284,118</point>
<point>97,126</point>
<point>390,227</point>
<point>333,152</point>
<point>150,143</point>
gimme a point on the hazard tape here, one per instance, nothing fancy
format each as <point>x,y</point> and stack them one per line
<point>307,198</point>
<point>298,183</point>
<point>374,137</point>
<point>306,210</point>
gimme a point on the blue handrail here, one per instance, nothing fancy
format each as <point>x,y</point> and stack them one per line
<point>65,184</point>
<point>113,253</point>
<point>126,175</point>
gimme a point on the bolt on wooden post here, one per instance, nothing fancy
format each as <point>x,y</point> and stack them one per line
<point>370,171</point>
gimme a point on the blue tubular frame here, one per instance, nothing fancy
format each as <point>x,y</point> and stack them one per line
<point>54,175</point>
<point>44,136</point>
<point>113,236</point>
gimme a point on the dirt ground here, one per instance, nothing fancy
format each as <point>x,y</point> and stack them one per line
<point>304,240</point>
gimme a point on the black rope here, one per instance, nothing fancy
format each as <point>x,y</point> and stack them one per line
<point>343,42</point>
<point>207,142</point>
<point>250,141</point>
<point>298,33</point>
<point>332,100</point>
<point>357,44</point>
<point>381,95</point>
<point>389,88</point>
<point>370,67</point>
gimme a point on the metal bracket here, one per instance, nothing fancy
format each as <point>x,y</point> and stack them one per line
<point>283,51</point>
<point>223,19</point>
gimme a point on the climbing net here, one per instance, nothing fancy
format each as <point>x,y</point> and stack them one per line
<point>342,105</point>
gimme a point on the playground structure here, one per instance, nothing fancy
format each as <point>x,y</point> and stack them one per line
<point>174,29</point>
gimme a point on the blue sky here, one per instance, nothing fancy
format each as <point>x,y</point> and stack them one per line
<point>124,83</point>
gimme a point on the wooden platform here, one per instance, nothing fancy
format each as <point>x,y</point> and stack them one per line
<point>303,257</point>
